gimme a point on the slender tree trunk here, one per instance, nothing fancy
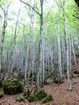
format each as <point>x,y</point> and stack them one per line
<point>0,61</point>
<point>40,46</point>
<point>43,52</point>
<point>29,58</point>
<point>5,12</point>
<point>67,47</point>
<point>12,60</point>
<point>52,65</point>
<point>73,50</point>
<point>63,55</point>
<point>70,56</point>
<point>59,54</point>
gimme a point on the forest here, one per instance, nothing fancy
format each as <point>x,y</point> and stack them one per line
<point>39,52</point>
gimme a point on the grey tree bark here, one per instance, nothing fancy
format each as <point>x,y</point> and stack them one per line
<point>12,56</point>
<point>59,53</point>
<point>67,47</point>
<point>5,14</point>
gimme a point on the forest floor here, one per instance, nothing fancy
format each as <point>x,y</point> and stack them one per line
<point>61,95</point>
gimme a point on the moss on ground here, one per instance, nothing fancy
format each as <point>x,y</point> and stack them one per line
<point>12,86</point>
<point>32,98</point>
<point>41,94</point>
<point>37,96</point>
<point>47,99</point>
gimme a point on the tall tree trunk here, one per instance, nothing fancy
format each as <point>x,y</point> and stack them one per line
<point>29,58</point>
<point>73,50</point>
<point>5,13</point>
<point>12,60</point>
<point>40,46</point>
<point>59,54</point>
<point>67,46</point>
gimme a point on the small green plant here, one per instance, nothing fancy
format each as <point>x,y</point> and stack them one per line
<point>47,99</point>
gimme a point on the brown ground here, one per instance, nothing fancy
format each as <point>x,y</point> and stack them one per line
<point>60,94</point>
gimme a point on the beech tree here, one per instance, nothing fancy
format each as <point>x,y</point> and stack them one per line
<point>40,41</point>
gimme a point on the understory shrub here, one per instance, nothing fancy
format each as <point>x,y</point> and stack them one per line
<point>12,86</point>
